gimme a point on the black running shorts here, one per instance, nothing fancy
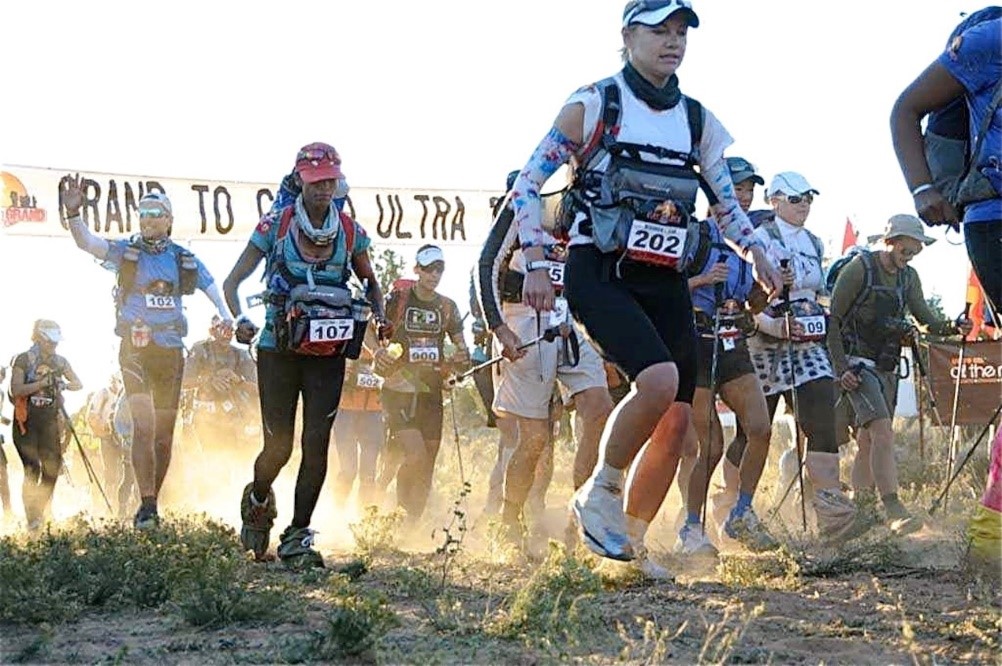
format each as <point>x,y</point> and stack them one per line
<point>636,316</point>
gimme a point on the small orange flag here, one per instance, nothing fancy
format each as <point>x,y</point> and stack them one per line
<point>976,297</point>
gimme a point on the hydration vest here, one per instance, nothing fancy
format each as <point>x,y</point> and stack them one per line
<point>864,336</point>
<point>187,270</point>
<point>711,250</point>
<point>772,228</point>
<point>636,207</point>
<point>317,316</point>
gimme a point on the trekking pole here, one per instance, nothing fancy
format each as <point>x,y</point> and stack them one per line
<point>549,335</point>
<point>952,451</point>
<point>924,376</point>
<point>920,365</point>
<point>784,263</point>
<point>83,456</point>
<point>455,438</point>
<point>711,405</point>
<point>970,452</point>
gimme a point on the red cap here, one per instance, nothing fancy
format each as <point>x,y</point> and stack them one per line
<point>318,161</point>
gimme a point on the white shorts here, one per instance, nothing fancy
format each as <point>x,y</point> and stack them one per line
<point>524,388</point>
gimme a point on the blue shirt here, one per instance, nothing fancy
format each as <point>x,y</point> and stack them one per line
<point>974,59</point>
<point>153,298</point>
<point>265,238</point>
<point>739,273</point>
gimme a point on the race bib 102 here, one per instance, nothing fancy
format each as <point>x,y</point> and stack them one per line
<point>332,330</point>
<point>154,302</point>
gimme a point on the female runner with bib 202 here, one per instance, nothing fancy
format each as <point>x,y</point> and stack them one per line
<point>631,139</point>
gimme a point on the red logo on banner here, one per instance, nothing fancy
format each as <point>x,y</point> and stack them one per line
<point>19,206</point>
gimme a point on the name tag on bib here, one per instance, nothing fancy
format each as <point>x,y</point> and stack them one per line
<point>154,302</point>
<point>654,243</point>
<point>331,330</point>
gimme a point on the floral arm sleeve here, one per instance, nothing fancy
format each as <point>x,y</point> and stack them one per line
<point>734,225</point>
<point>553,151</point>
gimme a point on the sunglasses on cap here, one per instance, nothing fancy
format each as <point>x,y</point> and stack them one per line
<point>797,198</point>
<point>315,155</point>
<point>152,213</point>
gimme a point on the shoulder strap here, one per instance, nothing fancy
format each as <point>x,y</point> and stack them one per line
<point>819,247</point>
<point>348,227</point>
<point>868,269</point>
<point>703,247</point>
<point>772,229</point>
<point>283,224</point>
<point>399,305</point>
<point>607,128</point>
<point>694,110</point>
<point>983,129</point>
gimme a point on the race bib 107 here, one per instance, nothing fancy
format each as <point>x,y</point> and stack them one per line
<point>332,330</point>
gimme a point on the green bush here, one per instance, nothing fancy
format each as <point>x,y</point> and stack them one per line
<point>197,565</point>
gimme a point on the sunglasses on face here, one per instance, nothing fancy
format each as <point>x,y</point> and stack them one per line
<point>151,213</point>
<point>908,254</point>
<point>797,198</point>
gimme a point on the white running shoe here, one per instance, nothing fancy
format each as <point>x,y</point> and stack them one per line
<point>599,510</point>
<point>692,541</point>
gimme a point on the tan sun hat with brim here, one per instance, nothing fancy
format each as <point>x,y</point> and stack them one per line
<point>906,225</point>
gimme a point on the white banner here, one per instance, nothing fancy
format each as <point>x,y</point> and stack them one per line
<point>218,210</point>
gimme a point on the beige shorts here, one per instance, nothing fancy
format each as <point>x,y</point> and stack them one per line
<point>524,387</point>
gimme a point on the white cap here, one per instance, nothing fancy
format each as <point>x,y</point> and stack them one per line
<point>790,183</point>
<point>656,12</point>
<point>49,330</point>
<point>157,199</point>
<point>428,255</point>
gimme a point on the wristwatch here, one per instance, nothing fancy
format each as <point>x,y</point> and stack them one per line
<point>537,266</point>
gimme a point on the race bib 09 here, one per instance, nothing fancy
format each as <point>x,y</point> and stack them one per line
<point>154,302</point>
<point>331,330</point>
<point>814,327</point>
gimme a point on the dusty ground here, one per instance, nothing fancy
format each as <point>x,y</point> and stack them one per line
<point>882,601</point>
